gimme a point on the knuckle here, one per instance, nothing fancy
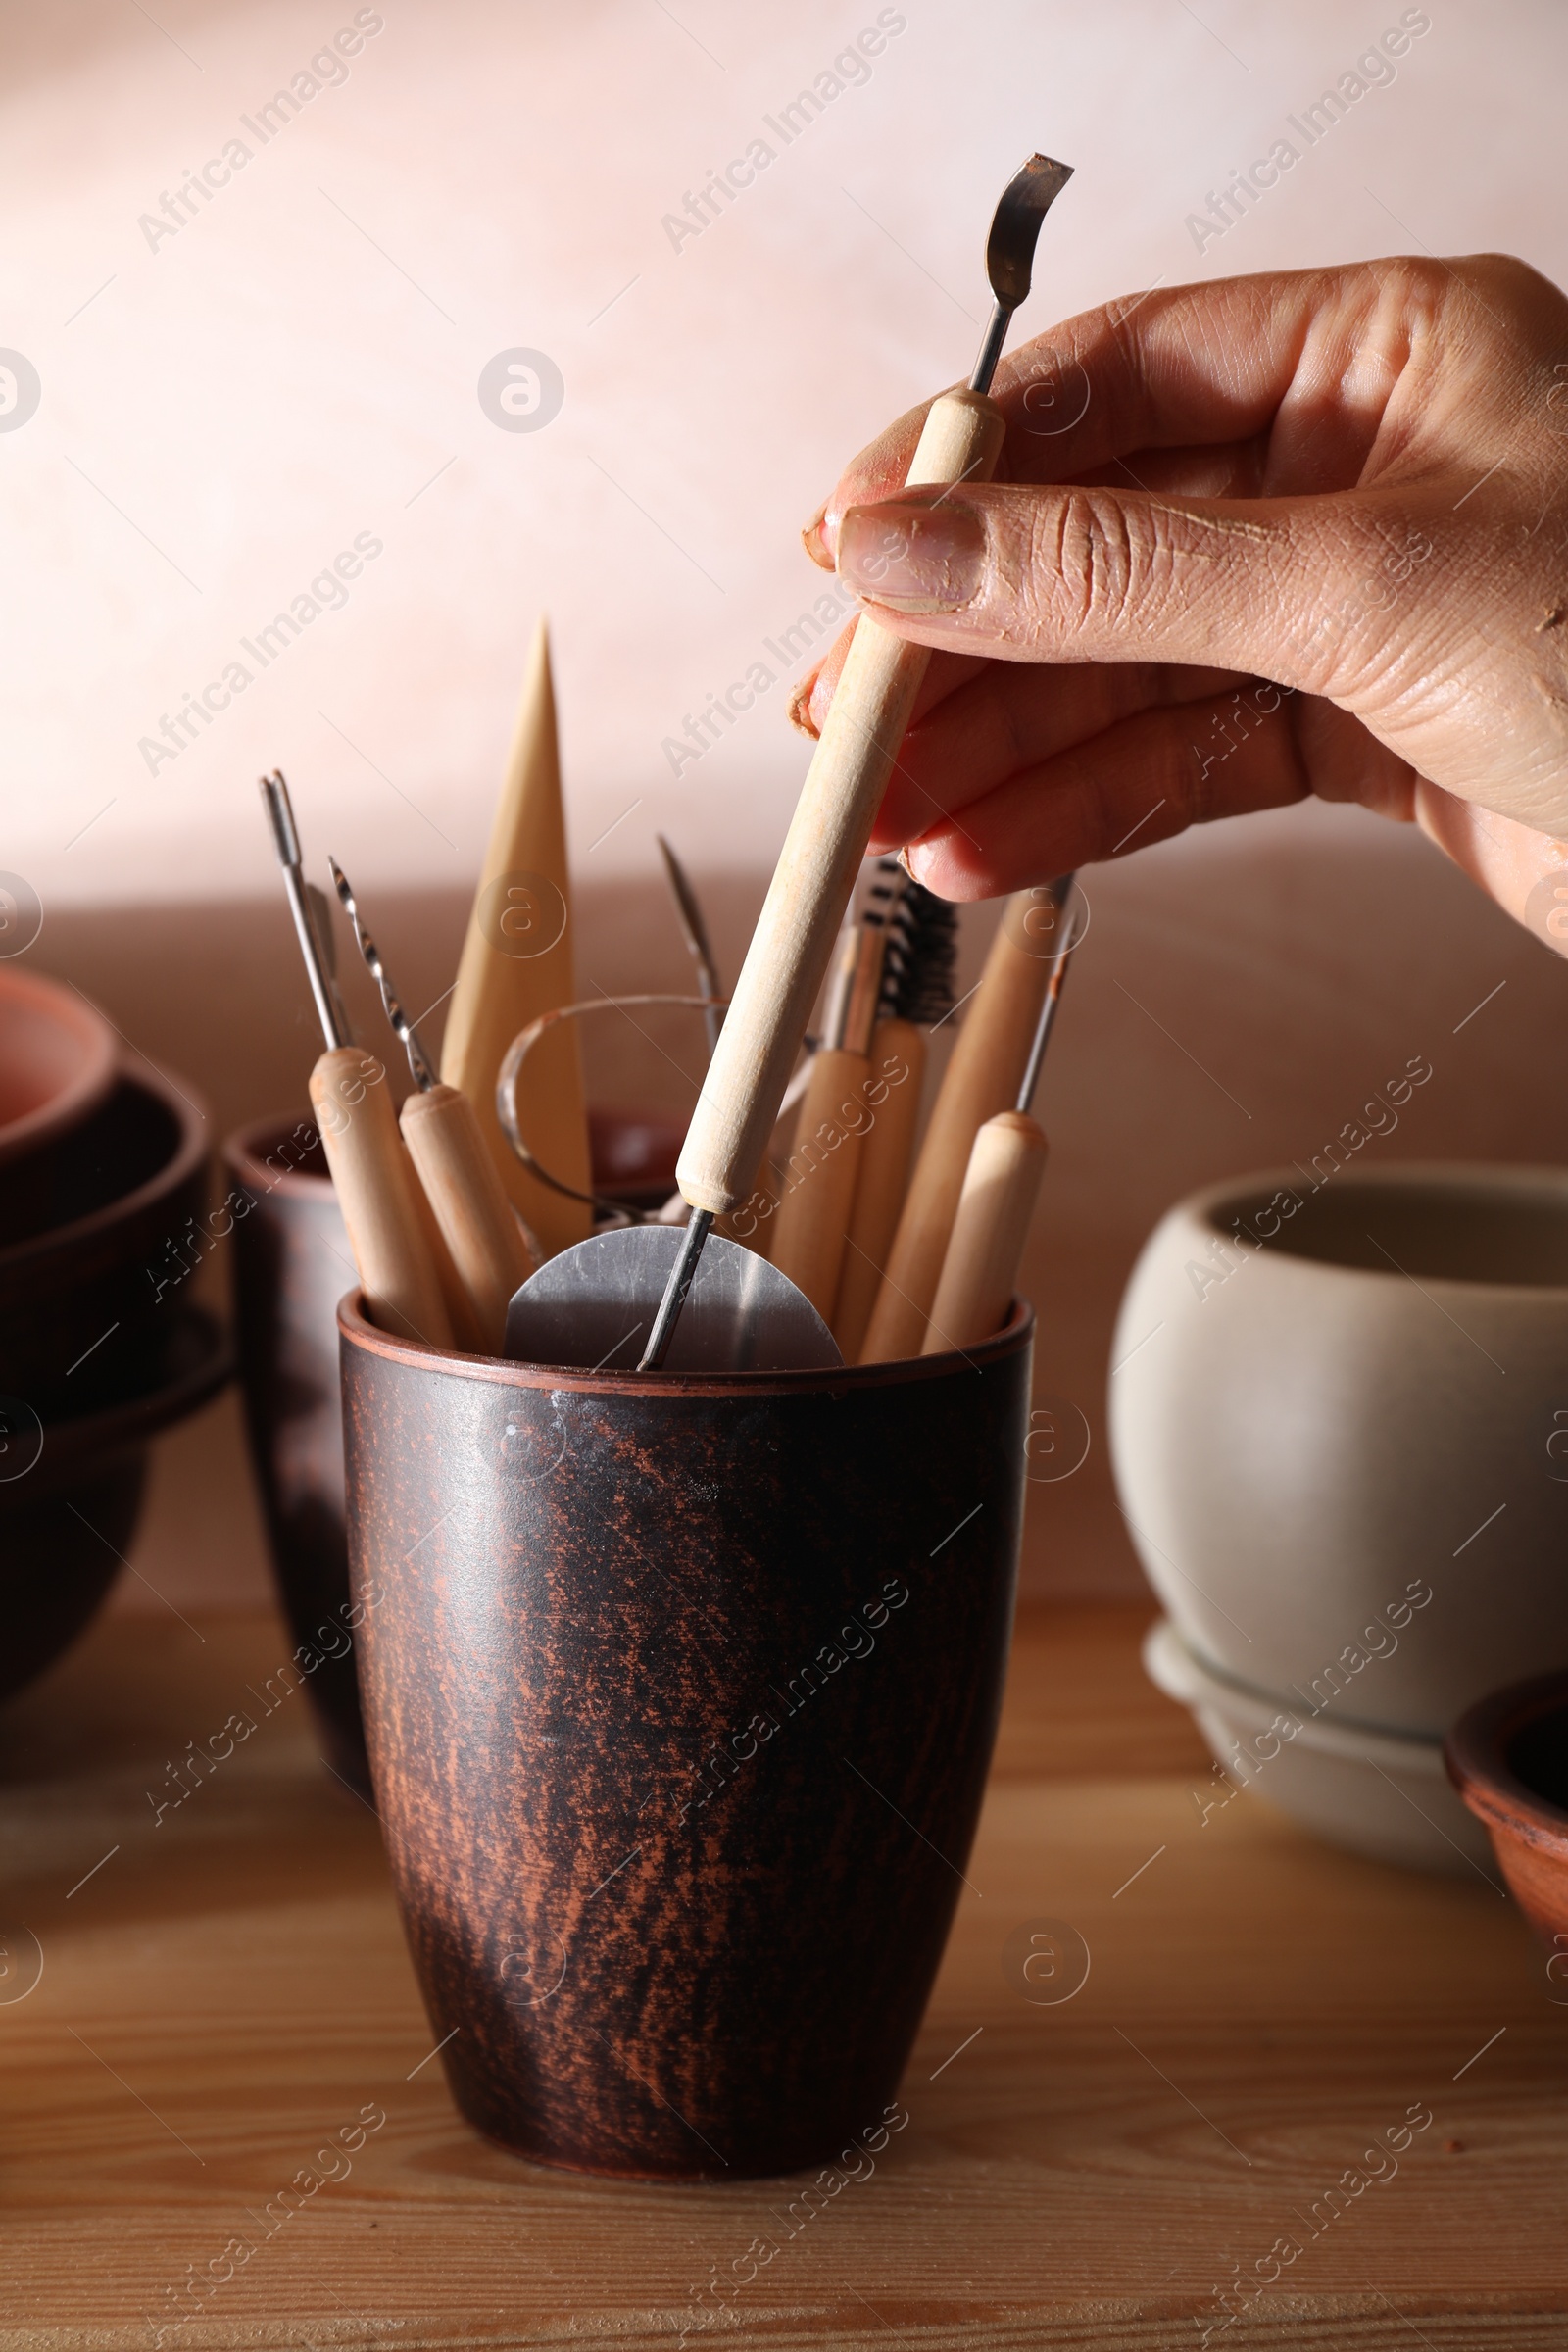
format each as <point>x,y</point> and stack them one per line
<point>1104,554</point>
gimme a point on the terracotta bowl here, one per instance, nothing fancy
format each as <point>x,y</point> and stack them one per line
<point>57,1061</point>
<point>89,1275</point>
<point>1508,1758</point>
<point>70,1492</point>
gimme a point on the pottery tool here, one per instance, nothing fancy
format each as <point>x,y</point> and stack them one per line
<point>820,1181</point>
<point>851,767</point>
<point>517,963</point>
<point>987,1069</point>
<point>376,1188</point>
<point>593,1307</point>
<point>997,1205</point>
<point>694,931</point>
<point>441,1129</point>
<point>916,995</point>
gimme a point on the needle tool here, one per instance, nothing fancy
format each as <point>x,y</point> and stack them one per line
<point>376,1188</point>
<point>851,767</point>
<point>453,1162</point>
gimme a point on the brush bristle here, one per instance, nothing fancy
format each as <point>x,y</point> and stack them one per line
<point>917,978</point>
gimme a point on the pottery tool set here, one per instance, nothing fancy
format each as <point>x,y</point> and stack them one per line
<point>473,1219</point>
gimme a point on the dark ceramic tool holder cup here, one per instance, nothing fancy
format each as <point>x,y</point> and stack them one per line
<point>680,1696</point>
<point>291,1267</point>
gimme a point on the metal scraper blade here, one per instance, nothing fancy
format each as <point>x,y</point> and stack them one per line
<point>592,1307</point>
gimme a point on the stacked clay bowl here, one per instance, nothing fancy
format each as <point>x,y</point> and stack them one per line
<point>103,1173</point>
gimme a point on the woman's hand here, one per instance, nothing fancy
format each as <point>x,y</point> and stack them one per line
<point>1275,535</point>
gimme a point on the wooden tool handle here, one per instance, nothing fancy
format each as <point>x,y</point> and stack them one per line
<point>980,1271</point>
<point>819,1182</point>
<point>982,1078</point>
<point>790,948</point>
<point>467,1336</point>
<point>374,1185</point>
<point>893,1092</point>
<point>452,1161</point>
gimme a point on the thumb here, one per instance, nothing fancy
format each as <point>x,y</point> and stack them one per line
<point>1287,588</point>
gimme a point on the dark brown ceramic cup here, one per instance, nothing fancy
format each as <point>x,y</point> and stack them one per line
<point>292,1264</point>
<point>680,1694</point>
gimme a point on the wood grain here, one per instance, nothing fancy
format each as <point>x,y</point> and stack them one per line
<point>230,1988</point>
<point>517,961</point>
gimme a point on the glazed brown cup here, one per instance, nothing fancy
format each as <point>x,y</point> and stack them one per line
<point>680,1694</point>
<point>1508,1758</point>
<point>292,1263</point>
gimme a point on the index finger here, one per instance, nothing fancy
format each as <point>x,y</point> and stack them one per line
<point>1180,367</point>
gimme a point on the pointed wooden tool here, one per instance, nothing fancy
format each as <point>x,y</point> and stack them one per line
<point>517,963</point>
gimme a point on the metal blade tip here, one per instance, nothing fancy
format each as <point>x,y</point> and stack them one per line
<point>280,815</point>
<point>1015,226</point>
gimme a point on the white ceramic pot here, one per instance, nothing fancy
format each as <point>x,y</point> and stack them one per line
<point>1338,1421</point>
<point>1381,1794</point>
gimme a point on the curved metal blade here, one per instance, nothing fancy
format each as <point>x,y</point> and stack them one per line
<point>1015,226</point>
<point>593,1305</point>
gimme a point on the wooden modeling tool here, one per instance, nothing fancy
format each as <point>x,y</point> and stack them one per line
<point>819,1187</point>
<point>997,1205</point>
<point>376,1188</point>
<point>517,963</point>
<point>916,995</point>
<point>694,931</point>
<point>477,1223</point>
<point>853,760</point>
<point>983,1077</point>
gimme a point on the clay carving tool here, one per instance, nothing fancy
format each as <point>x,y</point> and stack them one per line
<point>997,1205</point>
<point>593,1308</point>
<point>694,931</point>
<point>593,1305</point>
<point>851,767</point>
<point>440,1127</point>
<point>375,1184</point>
<point>820,1183</point>
<point>517,963</point>
<point>983,1077</point>
<point>916,995</point>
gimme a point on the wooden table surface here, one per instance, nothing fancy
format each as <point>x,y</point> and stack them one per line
<point>225,1988</point>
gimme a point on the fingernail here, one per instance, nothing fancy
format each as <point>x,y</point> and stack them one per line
<point>814,540</point>
<point>915,558</point>
<point>800,712</point>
